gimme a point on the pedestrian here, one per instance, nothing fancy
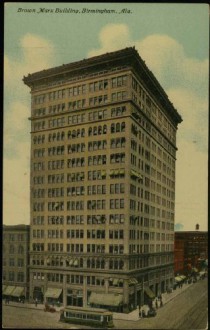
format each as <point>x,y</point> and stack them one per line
<point>36,302</point>
<point>161,302</point>
<point>156,303</point>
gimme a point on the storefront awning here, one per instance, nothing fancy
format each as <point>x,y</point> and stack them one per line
<point>19,291</point>
<point>132,281</point>
<point>183,277</point>
<point>202,273</point>
<point>195,270</point>
<point>8,291</point>
<point>115,281</point>
<point>106,299</point>
<point>122,171</point>
<point>53,292</point>
<point>149,292</point>
<point>178,279</point>
<point>3,288</point>
<point>136,174</point>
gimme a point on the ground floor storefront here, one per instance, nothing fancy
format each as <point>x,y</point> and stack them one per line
<point>117,293</point>
<point>14,293</point>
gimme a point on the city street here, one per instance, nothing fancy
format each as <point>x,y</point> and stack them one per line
<point>186,311</point>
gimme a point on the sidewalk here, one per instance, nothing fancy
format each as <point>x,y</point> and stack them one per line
<point>166,297</point>
<point>29,305</point>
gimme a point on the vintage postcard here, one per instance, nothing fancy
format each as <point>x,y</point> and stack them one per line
<point>105,165</point>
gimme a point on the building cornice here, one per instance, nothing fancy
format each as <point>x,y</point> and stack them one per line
<point>128,56</point>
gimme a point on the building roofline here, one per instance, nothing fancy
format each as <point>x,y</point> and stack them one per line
<point>133,60</point>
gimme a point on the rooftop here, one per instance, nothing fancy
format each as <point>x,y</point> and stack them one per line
<point>127,56</point>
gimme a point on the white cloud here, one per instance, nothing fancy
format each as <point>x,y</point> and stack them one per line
<point>112,37</point>
<point>194,110</point>
<point>167,59</point>
<point>37,53</point>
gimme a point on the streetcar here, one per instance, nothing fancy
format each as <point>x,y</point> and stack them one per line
<point>89,316</point>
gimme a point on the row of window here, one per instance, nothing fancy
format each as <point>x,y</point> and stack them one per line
<point>13,276</point>
<point>79,147</point>
<point>14,237</point>
<point>82,89</point>
<point>12,249</point>
<point>97,204</point>
<point>14,262</point>
<point>74,119</point>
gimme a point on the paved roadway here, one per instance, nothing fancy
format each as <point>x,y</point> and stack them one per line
<point>187,311</point>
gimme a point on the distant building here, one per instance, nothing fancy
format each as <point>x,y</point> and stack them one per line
<point>190,251</point>
<point>103,154</point>
<point>15,276</point>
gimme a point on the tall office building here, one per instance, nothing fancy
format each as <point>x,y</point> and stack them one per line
<point>103,151</point>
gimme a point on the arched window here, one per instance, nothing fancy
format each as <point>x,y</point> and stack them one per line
<point>112,128</point>
<point>82,132</point>
<point>90,131</point>
<point>69,134</point>
<point>118,127</point>
<point>74,134</point>
<point>62,136</point>
<point>104,129</point>
<point>123,127</point>
<point>99,130</point>
<point>95,130</point>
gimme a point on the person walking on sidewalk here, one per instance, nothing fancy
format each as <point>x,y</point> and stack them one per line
<point>36,302</point>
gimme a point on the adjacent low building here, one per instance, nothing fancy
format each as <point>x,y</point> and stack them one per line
<point>191,251</point>
<point>15,275</point>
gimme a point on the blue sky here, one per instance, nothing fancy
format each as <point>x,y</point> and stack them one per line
<point>173,41</point>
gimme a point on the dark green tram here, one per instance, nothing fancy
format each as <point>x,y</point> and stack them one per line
<point>89,316</point>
